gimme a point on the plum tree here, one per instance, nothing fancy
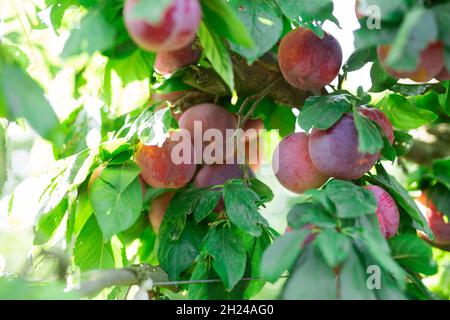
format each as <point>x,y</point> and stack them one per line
<point>443,75</point>
<point>218,174</point>
<point>175,30</point>
<point>437,223</point>
<point>430,63</point>
<point>159,169</point>
<point>168,62</point>
<point>158,209</point>
<point>293,166</point>
<point>308,62</point>
<point>387,211</point>
<point>210,116</point>
<point>334,152</point>
<point>381,119</point>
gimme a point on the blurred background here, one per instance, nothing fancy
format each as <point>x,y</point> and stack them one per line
<point>30,160</point>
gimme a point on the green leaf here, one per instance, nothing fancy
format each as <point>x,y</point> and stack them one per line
<point>116,197</point>
<point>440,196</point>
<point>115,151</point>
<point>403,114</point>
<point>322,112</point>
<point>150,10</point>
<point>90,251</point>
<point>27,101</point>
<point>57,13</point>
<point>441,169</point>
<point>403,142</point>
<point>217,53</point>
<point>240,204</point>
<point>228,252</point>
<point>220,17</point>
<point>127,81</point>
<point>381,80</point>
<point>260,245</point>
<point>176,256</point>
<point>353,279</point>
<point>179,207</point>
<point>334,246</point>
<point>413,253</point>
<point>359,58</point>
<point>381,255</point>
<point>199,291</point>
<point>361,201</point>
<point>282,254</point>
<point>49,222</point>
<point>309,11</point>
<point>74,171</point>
<point>262,190</point>
<point>419,28</point>
<point>303,214</point>
<point>263,20</point>
<point>388,151</point>
<point>94,34</point>
<point>369,136</point>
<point>310,279</point>
<point>206,204</point>
<point>282,119</point>
<point>151,127</point>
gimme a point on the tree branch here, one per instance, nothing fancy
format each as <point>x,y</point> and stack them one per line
<point>248,80</point>
<point>436,145</point>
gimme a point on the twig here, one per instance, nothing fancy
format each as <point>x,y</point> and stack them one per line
<point>135,275</point>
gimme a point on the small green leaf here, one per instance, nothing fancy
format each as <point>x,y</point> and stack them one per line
<point>322,112</point>
<point>90,251</point>
<point>403,114</point>
<point>353,279</point>
<point>229,256</point>
<point>206,204</point>
<point>199,291</point>
<point>359,58</point>
<point>282,254</point>
<point>334,246</point>
<point>360,203</point>
<point>413,253</point>
<point>240,204</point>
<point>309,11</point>
<point>262,190</point>
<point>307,213</point>
<point>369,136</point>
<point>219,16</point>
<point>116,197</point>
<point>311,278</point>
<point>263,20</point>
<point>176,256</point>
<point>217,53</point>
<point>49,222</point>
<point>94,34</point>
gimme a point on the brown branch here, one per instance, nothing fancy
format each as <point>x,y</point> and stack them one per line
<point>248,80</point>
<point>437,145</point>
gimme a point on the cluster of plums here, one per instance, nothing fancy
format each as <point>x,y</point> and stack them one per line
<point>302,161</point>
<point>159,171</point>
